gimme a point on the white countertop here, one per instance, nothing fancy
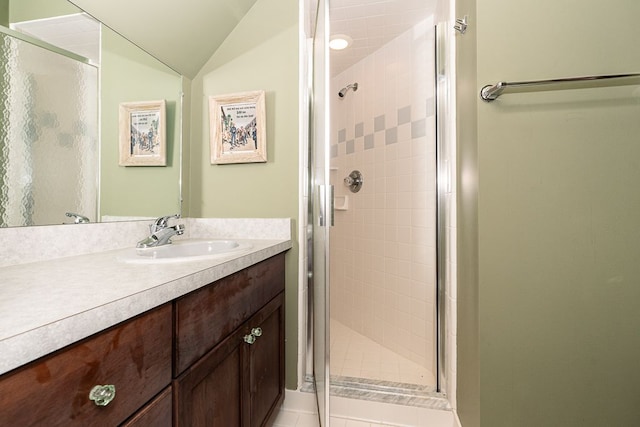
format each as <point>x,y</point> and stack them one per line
<point>48,305</point>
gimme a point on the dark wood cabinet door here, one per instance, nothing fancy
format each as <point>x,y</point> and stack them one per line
<point>209,393</point>
<point>157,413</point>
<point>237,384</point>
<point>265,364</point>
<point>206,316</point>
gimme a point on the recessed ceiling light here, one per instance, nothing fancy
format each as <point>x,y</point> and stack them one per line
<point>340,41</point>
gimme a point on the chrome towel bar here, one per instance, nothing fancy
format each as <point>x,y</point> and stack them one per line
<point>491,92</point>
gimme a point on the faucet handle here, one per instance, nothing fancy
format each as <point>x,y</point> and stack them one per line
<point>162,222</point>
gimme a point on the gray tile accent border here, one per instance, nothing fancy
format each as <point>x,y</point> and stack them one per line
<point>342,135</point>
<point>418,128</point>
<point>369,142</point>
<point>404,115</point>
<point>350,146</point>
<point>391,136</point>
<point>359,129</point>
<point>389,392</point>
<point>334,150</point>
<point>378,123</point>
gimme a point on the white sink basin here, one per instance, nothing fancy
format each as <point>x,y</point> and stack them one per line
<point>184,250</point>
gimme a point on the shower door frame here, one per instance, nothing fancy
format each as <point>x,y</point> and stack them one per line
<point>443,187</point>
<point>443,184</point>
<point>319,213</point>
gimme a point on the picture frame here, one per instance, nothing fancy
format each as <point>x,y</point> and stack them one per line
<point>237,128</point>
<point>142,133</point>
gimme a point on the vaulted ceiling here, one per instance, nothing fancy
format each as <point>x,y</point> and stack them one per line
<point>183,34</point>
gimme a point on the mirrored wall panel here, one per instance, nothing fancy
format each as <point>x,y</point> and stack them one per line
<point>49,142</point>
<point>36,184</point>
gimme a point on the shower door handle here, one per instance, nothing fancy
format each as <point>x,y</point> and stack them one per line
<point>325,205</point>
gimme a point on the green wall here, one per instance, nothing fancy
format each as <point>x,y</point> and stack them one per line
<point>4,12</point>
<point>128,74</point>
<point>261,53</point>
<point>468,350</point>
<point>555,178</point>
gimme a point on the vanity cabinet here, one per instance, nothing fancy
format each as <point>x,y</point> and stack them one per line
<point>134,357</point>
<point>213,357</point>
<point>230,359</point>
<point>240,382</point>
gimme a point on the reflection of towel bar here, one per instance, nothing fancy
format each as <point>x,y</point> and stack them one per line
<point>491,92</point>
<point>341,203</point>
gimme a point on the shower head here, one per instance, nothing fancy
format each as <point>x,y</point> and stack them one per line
<point>344,90</point>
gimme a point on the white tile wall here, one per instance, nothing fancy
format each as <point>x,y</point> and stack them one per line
<point>383,246</point>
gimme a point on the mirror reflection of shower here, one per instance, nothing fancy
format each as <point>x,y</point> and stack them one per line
<point>345,89</point>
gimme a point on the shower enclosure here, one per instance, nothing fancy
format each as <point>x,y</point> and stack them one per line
<point>383,243</point>
<point>374,204</point>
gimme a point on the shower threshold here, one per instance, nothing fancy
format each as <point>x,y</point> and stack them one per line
<point>388,392</point>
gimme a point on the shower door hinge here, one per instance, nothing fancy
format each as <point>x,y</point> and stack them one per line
<point>461,25</point>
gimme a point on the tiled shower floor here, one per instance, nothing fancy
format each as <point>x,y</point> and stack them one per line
<point>371,386</point>
<point>354,355</point>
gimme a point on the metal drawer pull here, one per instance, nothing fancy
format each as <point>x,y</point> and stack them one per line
<point>256,332</point>
<point>102,395</point>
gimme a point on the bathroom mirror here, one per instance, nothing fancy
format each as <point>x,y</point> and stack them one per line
<point>183,35</point>
<point>74,152</point>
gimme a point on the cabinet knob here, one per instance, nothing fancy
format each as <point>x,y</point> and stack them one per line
<point>256,332</point>
<point>249,339</point>
<point>102,395</point>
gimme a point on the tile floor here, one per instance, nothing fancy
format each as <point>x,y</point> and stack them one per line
<point>298,410</point>
<point>354,355</point>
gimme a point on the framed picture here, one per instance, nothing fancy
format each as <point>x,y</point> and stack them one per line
<point>143,133</point>
<point>237,128</point>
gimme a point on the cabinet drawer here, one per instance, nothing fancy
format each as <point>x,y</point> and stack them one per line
<point>206,316</point>
<point>134,356</point>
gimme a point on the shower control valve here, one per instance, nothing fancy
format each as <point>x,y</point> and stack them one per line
<point>354,181</point>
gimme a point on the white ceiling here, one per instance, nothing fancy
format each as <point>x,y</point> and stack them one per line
<point>371,24</point>
<point>78,33</point>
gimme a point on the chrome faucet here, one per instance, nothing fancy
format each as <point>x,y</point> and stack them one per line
<point>77,218</point>
<point>161,233</point>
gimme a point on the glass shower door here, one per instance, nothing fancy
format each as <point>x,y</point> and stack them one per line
<point>321,215</point>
